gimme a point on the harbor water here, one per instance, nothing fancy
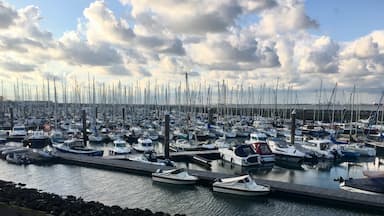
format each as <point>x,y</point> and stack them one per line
<point>133,191</point>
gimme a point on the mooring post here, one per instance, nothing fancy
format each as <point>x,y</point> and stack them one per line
<point>84,117</point>
<point>123,110</point>
<point>96,112</point>
<point>210,116</point>
<point>11,111</point>
<point>293,126</point>
<point>166,137</point>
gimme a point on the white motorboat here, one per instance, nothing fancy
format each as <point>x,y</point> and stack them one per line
<point>178,176</point>
<point>373,174</point>
<point>57,137</point>
<point>120,148</point>
<point>18,133</point>
<point>285,152</point>
<point>192,145</point>
<point>144,144</point>
<point>243,155</point>
<point>37,139</point>
<point>320,148</point>
<point>256,137</point>
<point>151,158</point>
<point>76,146</point>
<point>222,142</point>
<point>18,158</point>
<point>361,149</point>
<point>242,185</point>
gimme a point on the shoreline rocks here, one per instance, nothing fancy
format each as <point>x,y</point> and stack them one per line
<point>53,204</point>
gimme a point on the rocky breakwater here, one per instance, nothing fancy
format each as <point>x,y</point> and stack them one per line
<point>17,195</point>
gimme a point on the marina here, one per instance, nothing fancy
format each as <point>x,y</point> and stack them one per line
<point>230,108</point>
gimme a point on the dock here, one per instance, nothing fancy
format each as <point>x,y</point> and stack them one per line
<point>335,197</point>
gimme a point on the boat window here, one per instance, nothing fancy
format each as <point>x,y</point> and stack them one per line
<point>246,180</point>
<point>19,129</point>
<point>324,146</point>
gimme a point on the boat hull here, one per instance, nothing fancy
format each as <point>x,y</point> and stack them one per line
<point>248,193</point>
<point>79,152</point>
<point>163,179</point>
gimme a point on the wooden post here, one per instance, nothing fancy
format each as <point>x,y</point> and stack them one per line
<point>11,111</point>
<point>293,126</point>
<point>210,116</point>
<point>123,110</point>
<point>84,118</point>
<point>166,137</point>
<point>96,112</point>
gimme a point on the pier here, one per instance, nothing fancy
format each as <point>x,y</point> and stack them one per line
<point>279,189</point>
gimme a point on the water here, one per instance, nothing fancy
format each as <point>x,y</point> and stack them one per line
<point>128,190</point>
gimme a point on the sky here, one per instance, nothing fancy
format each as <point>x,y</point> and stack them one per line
<point>295,43</point>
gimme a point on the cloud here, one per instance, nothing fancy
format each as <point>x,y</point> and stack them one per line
<point>103,26</point>
<point>77,51</point>
<point>7,15</point>
<point>234,53</point>
<point>15,66</point>
<point>322,57</point>
<point>289,16</point>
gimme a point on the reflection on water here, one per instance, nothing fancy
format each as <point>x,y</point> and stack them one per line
<point>127,190</point>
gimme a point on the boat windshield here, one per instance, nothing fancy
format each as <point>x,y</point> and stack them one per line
<point>244,151</point>
<point>259,138</point>
<point>147,144</point>
<point>281,144</point>
<point>19,129</point>
<point>121,145</point>
<point>177,171</point>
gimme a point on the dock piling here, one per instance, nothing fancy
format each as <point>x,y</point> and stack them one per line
<point>293,126</point>
<point>84,118</point>
<point>166,137</point>
<point>11,111</point>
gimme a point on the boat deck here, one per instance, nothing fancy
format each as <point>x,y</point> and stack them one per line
<point>334,197</point>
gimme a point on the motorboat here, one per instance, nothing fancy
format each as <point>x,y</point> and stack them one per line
<point>95,138</point>
<point>373,174</point>
<point>17,158</point>
<point>256,137</point>
<point>76,146</point>
<point>57,137</point>
<point>38,139</point>
<point>192,145</point>
<point>321,148</point>
<point>150,157</point>
<point>285,152</point>
<point>222,142</point>
<point>178,176</point>
<point>120,148</point>
<point>144,144</point>
<point>243,155</point>
<point>18,133</point>
<point>361,149</point>
<point>373,186</point>
<point>242,185</point>
<point>262,149</point>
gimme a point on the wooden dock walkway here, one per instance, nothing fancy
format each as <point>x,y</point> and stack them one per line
<point>335,197</point>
